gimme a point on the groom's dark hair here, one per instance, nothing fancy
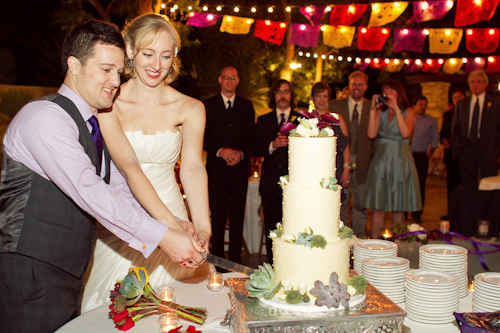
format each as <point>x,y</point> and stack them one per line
<point>80,41</point>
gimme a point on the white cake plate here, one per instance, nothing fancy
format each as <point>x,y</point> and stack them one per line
<point>309,307</point>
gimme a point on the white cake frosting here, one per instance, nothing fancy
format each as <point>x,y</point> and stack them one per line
<point>307,204</point>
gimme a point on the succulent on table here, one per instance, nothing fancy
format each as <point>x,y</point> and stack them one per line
<point>331,295</point>
<point>261,283</point>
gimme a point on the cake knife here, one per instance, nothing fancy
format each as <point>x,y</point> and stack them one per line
<point>227,264</point>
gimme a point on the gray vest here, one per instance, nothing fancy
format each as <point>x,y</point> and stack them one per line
<point>37,219</point>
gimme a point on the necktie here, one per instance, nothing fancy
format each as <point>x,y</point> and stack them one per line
<point>354,129</point>
<point>229,107</point>
<point>97,137</point>
<point>474,123</point>
<point>282,121</point>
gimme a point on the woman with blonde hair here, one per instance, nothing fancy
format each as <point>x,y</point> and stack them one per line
<point>144,131</point>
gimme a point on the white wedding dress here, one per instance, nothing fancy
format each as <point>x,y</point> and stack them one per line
<point>112,259</point>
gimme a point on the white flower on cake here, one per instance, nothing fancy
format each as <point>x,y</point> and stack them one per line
<point>279,226</point>
<point>272,235</point>
<point>283,181</point>
<point>308,127</point>
<point>415,227</point>
<point>329,131</point>
<point>281,294</point>
<point>341,224</point>
<point>309,231</point>
<point>288,238</point>
<point>302,288</point>
<point>351,290</point>
<point>311,124</point>
<point>287,285</point>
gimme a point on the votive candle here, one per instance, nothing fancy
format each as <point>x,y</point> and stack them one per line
<point>167,294</point>
<point>215,281</point>
<point>168,321</point>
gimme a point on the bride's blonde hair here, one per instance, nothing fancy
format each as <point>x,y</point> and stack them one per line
<point>142,31</point>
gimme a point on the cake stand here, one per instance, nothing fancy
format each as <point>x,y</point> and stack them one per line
<point>376,313</point>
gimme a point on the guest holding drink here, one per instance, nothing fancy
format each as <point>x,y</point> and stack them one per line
<point>320,94</point>
<point>392,183</point>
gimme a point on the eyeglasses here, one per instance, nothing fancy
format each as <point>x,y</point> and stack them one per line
<point>283,92</point>
<point>227,77</point>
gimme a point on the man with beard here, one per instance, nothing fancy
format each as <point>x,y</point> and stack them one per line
<point>356,111</point>
<point>274,148</point>
<point>228,136</point>
<point>57,179</point>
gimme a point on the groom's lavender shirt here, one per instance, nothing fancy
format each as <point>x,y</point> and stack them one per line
<point>44,138</point>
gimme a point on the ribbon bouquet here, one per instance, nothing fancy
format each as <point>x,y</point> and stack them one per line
<point>133,298</point>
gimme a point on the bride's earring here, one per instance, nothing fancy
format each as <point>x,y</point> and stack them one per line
<point>169,71</point>
<point>130,64</point>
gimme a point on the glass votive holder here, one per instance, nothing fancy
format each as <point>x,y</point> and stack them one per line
<point>168,321</point>
<point>386,234</point>
<point>215,281</point>
<point>444,226</point>
<point>167,294</point>
<point>483,229</point>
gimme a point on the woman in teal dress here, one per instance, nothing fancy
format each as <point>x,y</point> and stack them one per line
<point>392,181</point>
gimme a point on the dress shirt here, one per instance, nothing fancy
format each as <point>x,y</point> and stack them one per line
<point>278,116</point>
<point>44,138</point>
<point>473,100</point>
<point>351,103</point>
<point>225,99</point>
<point>425,133</point>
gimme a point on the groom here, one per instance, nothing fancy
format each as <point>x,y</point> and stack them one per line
<point>54,186</point>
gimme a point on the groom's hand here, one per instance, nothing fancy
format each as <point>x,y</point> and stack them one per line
<point>180,248</point>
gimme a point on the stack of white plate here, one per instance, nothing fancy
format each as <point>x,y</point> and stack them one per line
<point>387,275</point>
<point>372,248</point>
<point>486,292</point>
<point>431,296</point>
<point>449,258</point>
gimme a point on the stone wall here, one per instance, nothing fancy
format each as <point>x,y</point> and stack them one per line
<point>437,99</point>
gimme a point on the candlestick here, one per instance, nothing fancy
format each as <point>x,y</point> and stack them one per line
<point>444,226</point>
<point>215,281</point>
<point>255,174</point>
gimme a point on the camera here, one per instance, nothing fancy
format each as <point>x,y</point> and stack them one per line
<point>382,99</point>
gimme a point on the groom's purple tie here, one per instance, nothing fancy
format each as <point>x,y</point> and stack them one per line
<point>97,136</point>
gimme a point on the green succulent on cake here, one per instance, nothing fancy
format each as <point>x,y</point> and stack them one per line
<point>331,295</point>
<point>345,232</point>
<point>295,297</point>
<point>329,184</point>
<point>261,283</point>
<point>318,241</point>
<point>359,283</point>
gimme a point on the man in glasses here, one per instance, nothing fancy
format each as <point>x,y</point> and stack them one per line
<point>228,135</point>
<point>274,147</point>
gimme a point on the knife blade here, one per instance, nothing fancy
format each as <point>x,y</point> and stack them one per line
<point>227,264</point>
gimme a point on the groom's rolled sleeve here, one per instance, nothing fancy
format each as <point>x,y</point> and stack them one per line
<point>44,138</point>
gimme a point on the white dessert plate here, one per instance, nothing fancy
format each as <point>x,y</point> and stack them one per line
<point>431,277</point>
<point>433,306</point>
<point>387,262</point>
<point>389,271</point>
<point>309,307</point>
<point>445,261</point>
<point>491,278</point>
<point>376,244</point>
<point>484,291</point>
<point>441,300</point>
<point>431,312</point>
<point>443,250</point>
<point>427,320</point>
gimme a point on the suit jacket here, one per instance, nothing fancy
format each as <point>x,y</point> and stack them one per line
<point>224,130</point>
<point>275,165</point>
<point>445,133</point>
<point>489,130</point>
<point>364,143</point>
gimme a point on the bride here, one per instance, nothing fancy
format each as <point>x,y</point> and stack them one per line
<point>148,125</point>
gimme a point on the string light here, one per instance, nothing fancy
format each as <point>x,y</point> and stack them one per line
<point>407,61</point>
<point>330,57</point>
<point>387,61</point>
<point>363,30</point>
<point>323,56</point>
<point>163,6</point>
<point>351,9</point>
<point>309,9</point>
<point>491,59</point>
<point>426,32</point>
<point>418,62</point>
<point>349,59</point>
<point>176,7</point>
<point>340,58</point>
<point>288,9</point>
<point>172,10</point>
<point>477,60</point>
<point>270,9</point>
<point>301,53</point>
<point>491,31</point>
<point>424,5</point>
<point>323,28</point>
<point>469,32</point>
<point>190,8</point>
<point>376,60</point>
<point>254,10</point>
<point>308,54</point>
<point>328,9</point>
<point>447,32</point>
<point>368,60</point>
<point>219,8</point>
<point>268,22</point>
<point>464,60</point>
<point>315,56</point>
<point>440,61</point>
<point>236,9</point>
<point>205,8</point>
<point>385,31</point>
<point>449,3</point>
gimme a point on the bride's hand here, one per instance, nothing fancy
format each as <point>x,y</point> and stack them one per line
<point>189,228</point>
<point>204,239</point>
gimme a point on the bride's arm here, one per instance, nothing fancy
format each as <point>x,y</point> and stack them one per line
<point>193,173</point>
<point>125,159</point>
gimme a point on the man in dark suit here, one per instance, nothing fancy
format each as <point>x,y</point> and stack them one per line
<point>228,136</point>
<point>356,111</point>
<point>476,132</point>
<point>274,148</point>
<point>54,186</point>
